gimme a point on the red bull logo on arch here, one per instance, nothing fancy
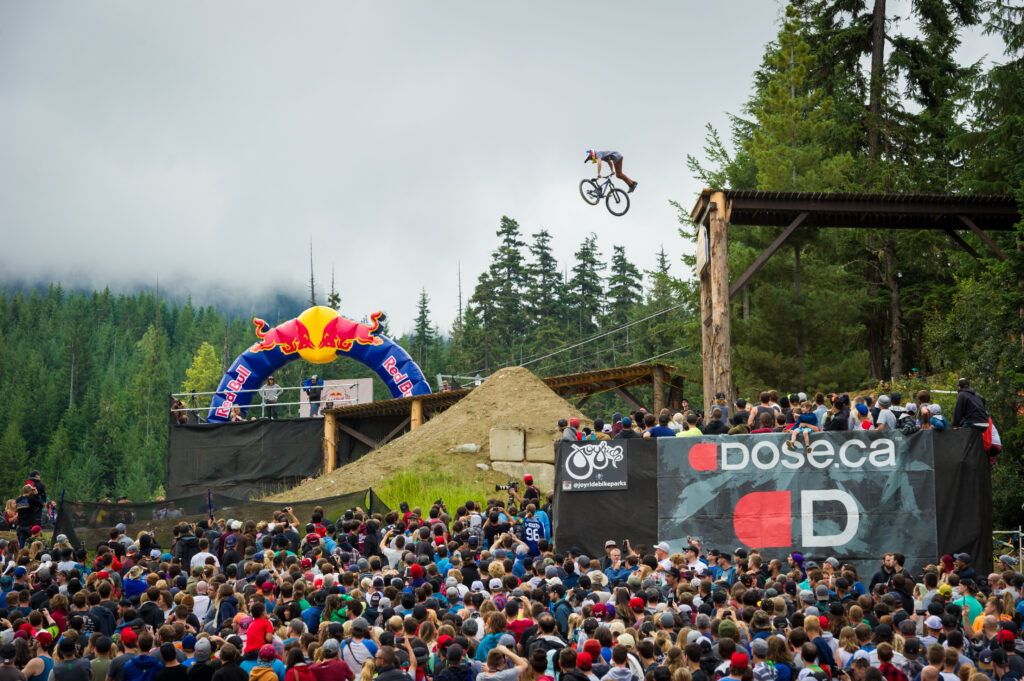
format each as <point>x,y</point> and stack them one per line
<point>319,335</point>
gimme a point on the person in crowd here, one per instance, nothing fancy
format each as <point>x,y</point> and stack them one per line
<point>314,389</point>
<point>30,512</point>
<point>270,392</point>
<point>970,411</point>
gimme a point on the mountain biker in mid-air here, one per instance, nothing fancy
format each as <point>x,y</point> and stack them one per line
<point>613,159</point>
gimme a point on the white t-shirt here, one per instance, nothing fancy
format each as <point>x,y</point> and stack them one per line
<point>886,418</point>
<point>200,606</point>
<point>200,559</point>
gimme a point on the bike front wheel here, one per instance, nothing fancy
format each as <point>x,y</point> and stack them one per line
<point>617,202</point>
<point>590,192</point>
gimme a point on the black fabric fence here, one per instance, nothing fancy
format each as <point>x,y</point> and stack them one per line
<point>853,495</point>
<point>89,524</point>
<point>244,459</point>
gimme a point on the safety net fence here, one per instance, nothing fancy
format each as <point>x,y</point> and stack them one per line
<point>88,524</point>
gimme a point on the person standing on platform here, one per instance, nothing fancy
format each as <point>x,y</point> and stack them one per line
<point>314,388</point>
<point>270,392</point>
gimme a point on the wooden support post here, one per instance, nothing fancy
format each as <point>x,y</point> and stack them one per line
<point>416,416</point>
<point>719,331</point>
<point>658,384</point>
<point>330,441</point>
<point>984,237</point>
<point>707,359</point>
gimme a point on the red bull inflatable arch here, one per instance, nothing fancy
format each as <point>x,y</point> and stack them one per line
<point>318,335</point>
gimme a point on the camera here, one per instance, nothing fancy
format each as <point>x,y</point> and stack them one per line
<point>440,502</point>
<point>511,486</point>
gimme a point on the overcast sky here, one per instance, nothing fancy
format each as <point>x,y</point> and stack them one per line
<point>207,143</point>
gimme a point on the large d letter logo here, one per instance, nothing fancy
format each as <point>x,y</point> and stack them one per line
<point>764,519</point>
<point>807,499</point>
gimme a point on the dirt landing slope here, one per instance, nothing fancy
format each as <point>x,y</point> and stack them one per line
<point>509,396</point>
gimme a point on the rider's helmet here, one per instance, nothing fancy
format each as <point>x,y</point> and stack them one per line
<point>591,156</point>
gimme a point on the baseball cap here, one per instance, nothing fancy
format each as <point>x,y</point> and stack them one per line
<point>267,651</point>
<point>964,557</point>
<point>738,660</point>
<point>7,652</point>
<point>331,646</point>
<point>128,636</point>
<point>203,650</point>
<point>627,640</point>
<point>661,546</point>
<point>933,622</point>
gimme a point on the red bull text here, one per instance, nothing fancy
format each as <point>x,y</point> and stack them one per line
<point>231,394</point>
<point>400,379</point>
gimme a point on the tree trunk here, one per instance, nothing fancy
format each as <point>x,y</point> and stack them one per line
<point>876,86</point>
<point>892,282</point>
<point>799,316</point>
<point>875,315</point>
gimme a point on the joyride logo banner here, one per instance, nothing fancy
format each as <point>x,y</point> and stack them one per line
<point>854,496</point>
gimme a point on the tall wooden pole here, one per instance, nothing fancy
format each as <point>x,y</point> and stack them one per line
<point>707,358</point>
<point>719,332</point>
<point>658,384</point>
<point>330,441</point>
<point>416,415</point>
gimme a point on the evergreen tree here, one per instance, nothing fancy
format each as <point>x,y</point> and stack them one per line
<point>543,290</point>
<point>13,460</point>
<point>507,277</point>
<point>586,292</point>
<point>625,288</point>
<point>791,144</point>
<point>423,337</point>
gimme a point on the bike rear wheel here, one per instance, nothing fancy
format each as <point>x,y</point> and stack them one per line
<point>617,202</point>
<point>590,192</point>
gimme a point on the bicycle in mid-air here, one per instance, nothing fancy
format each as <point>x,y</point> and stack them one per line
<point>615,199</point>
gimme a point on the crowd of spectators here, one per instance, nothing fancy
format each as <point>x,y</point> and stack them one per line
<point>481,593</point>
<point>798,415</point>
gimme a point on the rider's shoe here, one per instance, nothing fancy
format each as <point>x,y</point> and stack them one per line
<point>632,187</point>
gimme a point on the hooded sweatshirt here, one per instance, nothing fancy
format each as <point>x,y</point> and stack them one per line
<point>141,668</point>
<point>617,674</point>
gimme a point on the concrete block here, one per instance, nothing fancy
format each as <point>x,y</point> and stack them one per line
<point>507,443</point>
<point>540,445</point>
<point>543,473</point>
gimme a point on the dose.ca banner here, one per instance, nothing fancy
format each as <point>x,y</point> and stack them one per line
<point>851,495</point>
<point>594,466</point>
